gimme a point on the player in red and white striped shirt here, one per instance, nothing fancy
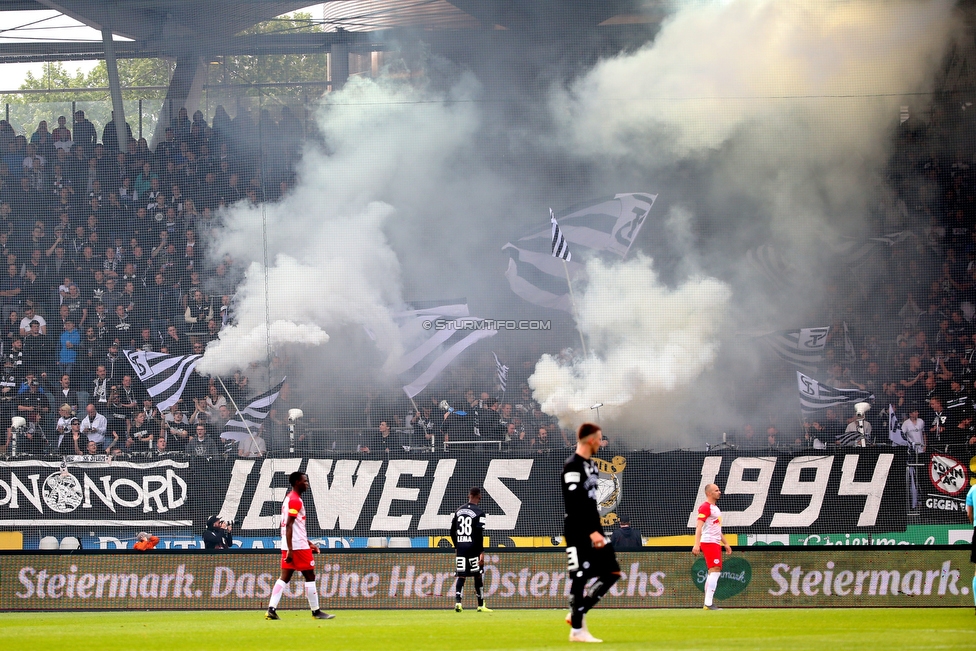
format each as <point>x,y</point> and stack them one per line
<point>709,541</point>
<point>296,550</point>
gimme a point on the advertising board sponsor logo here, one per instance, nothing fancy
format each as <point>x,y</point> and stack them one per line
<point>735,576</point>
<point>833,579</point>
<point>762,578</point>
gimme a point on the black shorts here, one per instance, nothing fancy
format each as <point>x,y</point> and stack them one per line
<point>582,556</point>
<point>467,565</point>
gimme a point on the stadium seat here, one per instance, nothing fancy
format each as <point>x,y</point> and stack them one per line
<point>48,543</point>
<point>70,543</point>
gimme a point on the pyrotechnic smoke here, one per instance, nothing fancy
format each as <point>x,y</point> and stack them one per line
<point>791,106</point>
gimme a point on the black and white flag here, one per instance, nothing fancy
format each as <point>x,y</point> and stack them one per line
<point>164,376</point>
<point>560,247</point>
<point>803,348</point>
<point>236,429</point>
<point>769,262</point>
<point>815,396</point>
<point>850,354</point>
<point>608,224</point>
<point>502,372</point>
<point>434,337</point>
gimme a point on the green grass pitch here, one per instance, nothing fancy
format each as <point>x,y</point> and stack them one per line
<point>792,629</point>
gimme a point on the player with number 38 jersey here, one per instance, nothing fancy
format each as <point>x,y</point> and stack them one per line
<point>468,536</point>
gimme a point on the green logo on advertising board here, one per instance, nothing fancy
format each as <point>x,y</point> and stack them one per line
<point>736,575</point>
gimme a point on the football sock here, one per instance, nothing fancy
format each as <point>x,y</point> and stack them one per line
<point>459,589</point>
<point>974,587</point>
<point>276,591</point>
<point>577,607</point>
<point>479,593</point>
<point>710,584</point>
<point>599,588</point>
<point>313,595</point>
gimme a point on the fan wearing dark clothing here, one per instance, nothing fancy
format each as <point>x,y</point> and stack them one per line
<point>468,536</point>
<point>588,553</point>
<point>626,538</point>
<point>217,535</point>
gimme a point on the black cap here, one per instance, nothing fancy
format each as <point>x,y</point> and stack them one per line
<point>211,521</point>
<point>624,519</point>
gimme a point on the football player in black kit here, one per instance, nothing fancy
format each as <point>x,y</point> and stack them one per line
<point>588,552</point>
<point>468,536</point>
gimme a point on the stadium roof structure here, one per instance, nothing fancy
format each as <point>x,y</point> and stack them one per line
<point>196,31</point>
<point>175,28</point>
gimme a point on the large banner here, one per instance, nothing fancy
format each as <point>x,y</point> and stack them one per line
<point>354,498</point>
<point>95,494</point>
<point>768,578</point>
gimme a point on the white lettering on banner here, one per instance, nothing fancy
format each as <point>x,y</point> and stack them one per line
<point>874,583</point>
<point>235,489</point>
<point>736,484</point>
<point>263,493</point>
<point>873,489</point>
<point>709,471</point>
<point>105,495</point>
<point>155,493</point>
<point>506,500</point>
<point>816,489</point>
<point>32,495</point>
<point>383,521</point>
<point>942,504</point>
<point>431,518</point>
<point>341,501</point>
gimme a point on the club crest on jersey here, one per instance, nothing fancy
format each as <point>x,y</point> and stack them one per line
<point>609,490</point>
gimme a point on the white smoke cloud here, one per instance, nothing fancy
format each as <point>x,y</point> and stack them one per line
<point>827,68</point>
<point>645,339</point>
<point>331,263</point>
<point>793,104</point>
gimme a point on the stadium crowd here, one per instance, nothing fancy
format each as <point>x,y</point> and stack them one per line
<point>106,250</point>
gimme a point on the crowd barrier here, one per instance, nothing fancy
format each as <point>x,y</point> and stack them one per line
<point>781,577</point>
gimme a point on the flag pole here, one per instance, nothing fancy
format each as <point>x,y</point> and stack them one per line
<point>238,410</point>
<point>572,298</point>
<point>416,410</point>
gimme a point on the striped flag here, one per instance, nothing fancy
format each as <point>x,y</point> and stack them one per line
<point>437,334</point>
<point>850,354</point>
<point>164,376</point>
<point>560,247</point>
<point>608,224</point>
<point>770,263</point>
<point>251,416</point>
<point>895,435</point>
<point>802,348</point>
<point>502,372</point>
<point>815,396</point>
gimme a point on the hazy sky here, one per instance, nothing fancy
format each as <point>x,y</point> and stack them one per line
<point>46,26</point>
